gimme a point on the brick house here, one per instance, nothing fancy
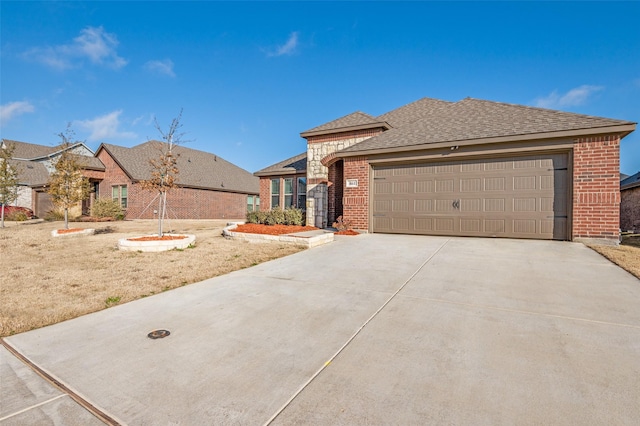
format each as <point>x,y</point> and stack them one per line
<point>630,203</point>
<point>209,187</point>
<point>466,168</point>
<point>36,162</point>
<point>284,184</point>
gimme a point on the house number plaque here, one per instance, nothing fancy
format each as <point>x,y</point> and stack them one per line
<point>352,183</point>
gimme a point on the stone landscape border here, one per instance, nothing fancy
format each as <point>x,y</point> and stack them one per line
<point>126,244</point>
<point>306,239</point>
<point>88,231</point>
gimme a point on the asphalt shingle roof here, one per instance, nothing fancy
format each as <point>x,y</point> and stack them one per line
<point>350,120</point>
<point>28,151</point>
<point>31,173</point>
<point>630,182</point>
<point>295,164</point>
<point>471,119</point>
<point>198,169</point>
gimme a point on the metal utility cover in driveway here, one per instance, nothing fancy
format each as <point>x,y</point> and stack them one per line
<point>373,329</point>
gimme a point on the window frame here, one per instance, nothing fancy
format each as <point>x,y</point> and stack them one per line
<point>116,195</point>
<point>289,195</point>
<point>301,203</point>
<point>275,195</point>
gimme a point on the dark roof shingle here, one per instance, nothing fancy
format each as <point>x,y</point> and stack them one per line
<point>197,169</point>
<point>295,164</point>
<point>472,119</point>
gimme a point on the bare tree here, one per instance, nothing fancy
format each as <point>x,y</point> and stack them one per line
<point>8,178</point>
<point>67,185</point>
<point>164,169</point>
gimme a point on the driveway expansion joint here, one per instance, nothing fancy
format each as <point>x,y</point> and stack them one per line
<point>354,335</point>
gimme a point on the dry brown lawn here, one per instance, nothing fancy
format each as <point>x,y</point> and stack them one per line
<point>626,255</point>
<point>45,280</point>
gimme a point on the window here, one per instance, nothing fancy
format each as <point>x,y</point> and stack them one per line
<point>288,193</point>
<point>302,193</point>
<point>119,193</point>
<point>253,203</point>
<point>275,193</point>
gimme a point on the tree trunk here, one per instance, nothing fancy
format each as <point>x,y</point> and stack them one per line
<point>160,214</point>
<point>66,218</point>
<point>2,216</point>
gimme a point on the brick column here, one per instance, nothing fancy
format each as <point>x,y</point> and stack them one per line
<point>356,200</point>
<point>596,187</point>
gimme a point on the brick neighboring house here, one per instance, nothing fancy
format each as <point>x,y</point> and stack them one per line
<point>284,184</point>
<point>35,164</point>
<point>209,187</point>
<point>466,168</point>
<point>630,203</point>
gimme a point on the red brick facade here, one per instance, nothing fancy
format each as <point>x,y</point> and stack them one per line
<point>630,209</point>
<point>182,203</point>
<point>265,190</point>
<point>356,200</point>
<point>596,187</point>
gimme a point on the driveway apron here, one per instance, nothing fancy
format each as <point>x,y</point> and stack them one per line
<point>374,329</point>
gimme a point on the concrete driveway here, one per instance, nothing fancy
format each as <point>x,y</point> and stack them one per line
<point>374,329</point>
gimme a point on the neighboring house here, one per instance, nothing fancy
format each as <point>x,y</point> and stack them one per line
<point>630,203</point>
<point>284,184</point>
<point>466,168</point>
<point>209,187</point>
<point>35,163</point>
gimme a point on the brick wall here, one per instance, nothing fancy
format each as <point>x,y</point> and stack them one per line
<point>356,200</point>
<point>182,203</point>
<point>596,187</point>
<point>265,190</point>
<point>630,209</point>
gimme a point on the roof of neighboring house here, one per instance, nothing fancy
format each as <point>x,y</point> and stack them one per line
<point>623,176</point>
<point>481,121</point>
<point>197,169</point>
<point>293,165</point>
<point>31,173</point>
<point>630,182</point>
<point>29,151</point>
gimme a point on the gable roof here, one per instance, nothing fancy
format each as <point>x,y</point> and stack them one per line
<point>479,121</point>
<point>198,169</point>
<point>29,151</point>
<point>630,182</point>
<point>354,121</point>
<point>413,112</point>
<point>290,166</point>
<point>31,173</point>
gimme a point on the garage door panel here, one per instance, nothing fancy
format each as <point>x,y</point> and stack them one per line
<point>520,197</point>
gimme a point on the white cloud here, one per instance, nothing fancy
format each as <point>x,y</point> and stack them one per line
<point>93,43</point>
<point>105,127</point>
<point>288,48</point>
<point>162,67</point>
<point>575,96</point>
<point>13,109</point>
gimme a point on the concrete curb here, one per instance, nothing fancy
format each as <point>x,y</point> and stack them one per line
<point>306,239</point>
<point>87,231</point>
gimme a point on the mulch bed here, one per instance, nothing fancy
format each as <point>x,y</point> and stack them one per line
<point>70,231</point>
<point>252,228</point>
<point>156,238</point>
<point>347,232</point>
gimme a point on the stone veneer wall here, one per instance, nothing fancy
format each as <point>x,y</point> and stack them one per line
<point>596,187</point>
<point>319,147</point>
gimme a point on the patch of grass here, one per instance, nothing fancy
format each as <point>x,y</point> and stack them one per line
<point>626,255</point>
<point>112,300</point>
<point>74,277</point>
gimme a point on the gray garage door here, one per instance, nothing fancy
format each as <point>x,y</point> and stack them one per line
<point>515,197</point>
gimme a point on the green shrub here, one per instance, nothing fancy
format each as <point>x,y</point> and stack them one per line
<point>16,216</point>
<point>293,216</point>
<point>106,207</point>
<point>252,217</point>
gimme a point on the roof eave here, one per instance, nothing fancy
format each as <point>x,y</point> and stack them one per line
<point>379,124</point>
<point>279,173</point>
<point>623,130</point>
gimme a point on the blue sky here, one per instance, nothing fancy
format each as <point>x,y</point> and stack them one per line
<point>250,76</point>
